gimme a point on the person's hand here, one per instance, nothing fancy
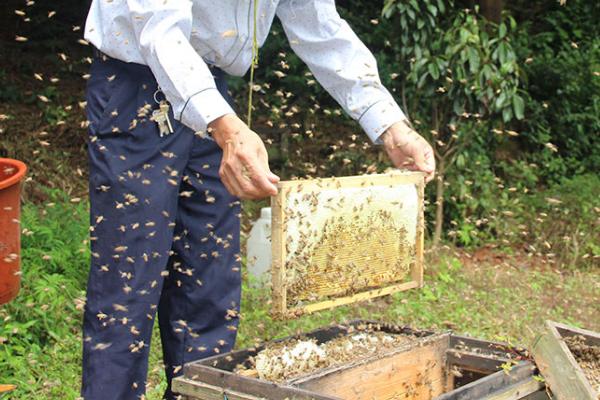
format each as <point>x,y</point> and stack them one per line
<point>245,165</point>
<point>407,149</point>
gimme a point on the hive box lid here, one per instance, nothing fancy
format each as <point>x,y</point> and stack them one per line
<point>556,362</point>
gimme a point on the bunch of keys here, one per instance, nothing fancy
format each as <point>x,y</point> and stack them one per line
<point>161,117</point>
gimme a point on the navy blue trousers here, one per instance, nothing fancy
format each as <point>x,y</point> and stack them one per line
<point>164,238</point>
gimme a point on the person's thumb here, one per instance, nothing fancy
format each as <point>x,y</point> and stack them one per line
<point>429,160</point>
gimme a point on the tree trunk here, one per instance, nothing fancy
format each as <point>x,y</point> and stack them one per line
<point>439,204</point>
<point>492,9</point>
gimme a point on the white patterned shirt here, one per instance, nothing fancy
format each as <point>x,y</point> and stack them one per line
<point>178,38</point>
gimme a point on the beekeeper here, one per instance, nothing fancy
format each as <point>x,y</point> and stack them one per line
<point>170,159</point>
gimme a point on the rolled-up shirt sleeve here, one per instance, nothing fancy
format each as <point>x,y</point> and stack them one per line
<point>162,29</point>
<point>340,62</point>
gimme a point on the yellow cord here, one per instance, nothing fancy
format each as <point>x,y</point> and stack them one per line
<point>253,65</point>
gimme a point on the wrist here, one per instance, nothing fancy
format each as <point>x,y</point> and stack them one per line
<point>399,134</point>
<point>402,127</point>
<point>224,128</point>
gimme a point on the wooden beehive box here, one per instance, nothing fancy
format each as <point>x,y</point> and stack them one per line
<point>562,367</point>
<point>341,240</point>
<point>439,366</point>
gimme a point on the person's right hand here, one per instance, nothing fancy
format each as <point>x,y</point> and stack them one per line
<point>407,149</point>
<point>245,165</point>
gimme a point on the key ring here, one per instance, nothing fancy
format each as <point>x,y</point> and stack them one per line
<point>156,94</point>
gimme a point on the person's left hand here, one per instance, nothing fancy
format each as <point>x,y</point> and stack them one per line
<point>407,149</point>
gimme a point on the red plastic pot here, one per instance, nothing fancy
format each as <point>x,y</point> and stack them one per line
<point>12,173</point>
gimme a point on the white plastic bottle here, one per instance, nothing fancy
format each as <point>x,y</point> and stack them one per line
<point>258,247</point>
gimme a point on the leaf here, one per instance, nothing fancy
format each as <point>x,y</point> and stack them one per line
<point>431,21</point>
<point>419,55</point>
<point>507,114</point>
<point>457,107</point>
<point>432,9</point>
<point>518,106</point>
<point>441,6</point>
<point>500,101</point>
<point>433,71</point>
<point>388,8</point>
<point>473,59</point>
<point>422,80</point>
<point>502,30</point>
<point>502,52</point>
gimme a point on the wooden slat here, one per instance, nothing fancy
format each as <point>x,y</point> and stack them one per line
<point>485,364</point>
<point>416,373</point>
<point>331,288</point>
<point>541,394</point>
<point>279,288</point>
<point>355,181</point>
<point>371,294</point>
<point>520,390</point>
<point>199,390</point>
<point>491,384</point>
<point>484,346</point>
<point>249,386</point>
<point>591,338</point>
<point>417,273</point>
<point>563,375</point>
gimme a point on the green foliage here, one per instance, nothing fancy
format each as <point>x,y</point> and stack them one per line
<point>463,81</point>
<point>562,222</point>
<point>565,103</point>
<point>458,61</point>
<point>419,21</point>
<point>40,329</point>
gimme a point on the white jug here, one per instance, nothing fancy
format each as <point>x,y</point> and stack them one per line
<point>258,247</point>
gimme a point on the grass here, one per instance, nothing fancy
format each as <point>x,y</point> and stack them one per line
<point>483,293</point>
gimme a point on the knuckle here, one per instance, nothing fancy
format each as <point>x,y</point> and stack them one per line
<point>239,153</point>
<point>247,188</point>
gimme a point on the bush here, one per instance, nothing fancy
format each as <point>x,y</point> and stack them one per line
<point>562,50</point>
<point>560,224</point>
